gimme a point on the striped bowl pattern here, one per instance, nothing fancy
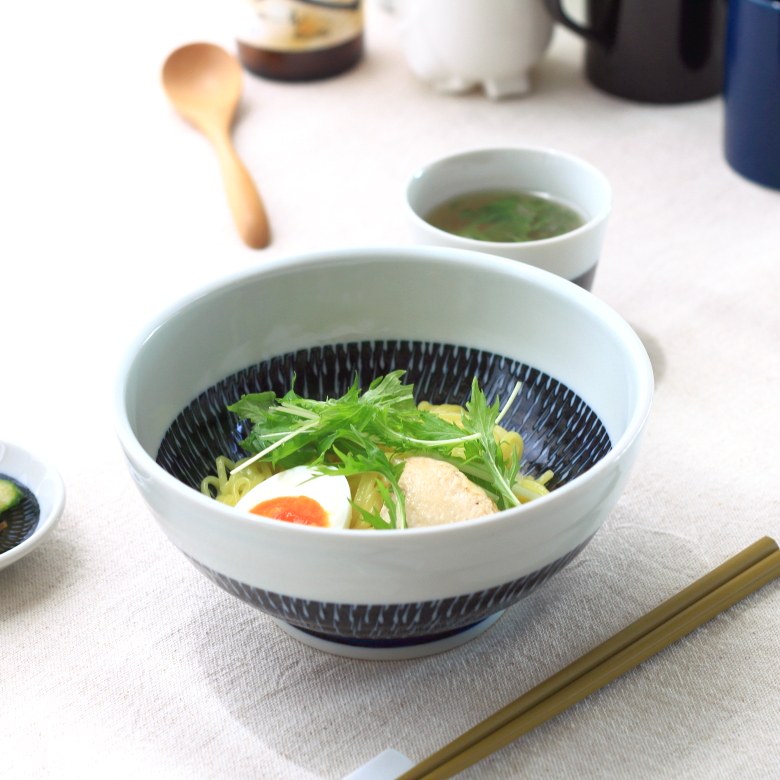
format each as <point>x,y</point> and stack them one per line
<point>389,625</point>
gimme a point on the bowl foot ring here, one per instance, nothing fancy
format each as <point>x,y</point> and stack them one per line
<point>397,651</point>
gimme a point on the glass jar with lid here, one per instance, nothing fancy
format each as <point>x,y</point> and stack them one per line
<point>299,40</point>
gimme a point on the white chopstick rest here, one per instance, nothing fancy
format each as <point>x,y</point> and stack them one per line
<point>388,765</point>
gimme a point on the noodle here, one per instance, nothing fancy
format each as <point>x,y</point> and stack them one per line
<point>229,488</point>
<point>365,495</point>
<point>506,440</point>
<point>528,488</point>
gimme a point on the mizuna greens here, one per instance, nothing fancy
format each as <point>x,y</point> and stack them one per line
<point>366,432</point>
<point>504,216</point>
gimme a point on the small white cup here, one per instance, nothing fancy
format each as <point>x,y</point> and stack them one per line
<point>564,177</point>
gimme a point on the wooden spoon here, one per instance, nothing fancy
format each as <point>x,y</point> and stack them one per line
<point>203,82</point>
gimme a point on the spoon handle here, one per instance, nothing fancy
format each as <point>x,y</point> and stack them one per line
<point>244,200</point>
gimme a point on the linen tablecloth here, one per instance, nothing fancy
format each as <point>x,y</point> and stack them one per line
<point>119,659</point>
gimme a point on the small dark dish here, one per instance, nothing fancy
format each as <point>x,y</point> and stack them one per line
<point>29,522</point>
<point>20,521</point>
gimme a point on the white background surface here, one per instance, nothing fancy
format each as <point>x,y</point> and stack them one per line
<point>119,659</point>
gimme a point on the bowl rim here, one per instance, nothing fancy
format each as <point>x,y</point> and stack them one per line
<point>480,245</point>
<point>21,460</point>
<point>406,253</point>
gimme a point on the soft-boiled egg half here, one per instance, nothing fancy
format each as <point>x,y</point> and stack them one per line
<point>301,495</point>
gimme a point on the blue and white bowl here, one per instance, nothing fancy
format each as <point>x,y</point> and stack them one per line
<point>445,316</point>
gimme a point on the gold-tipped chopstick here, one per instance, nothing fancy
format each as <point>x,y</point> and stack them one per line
<point>710,595</point>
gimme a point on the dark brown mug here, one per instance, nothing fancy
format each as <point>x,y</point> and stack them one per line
<point>652,51</point>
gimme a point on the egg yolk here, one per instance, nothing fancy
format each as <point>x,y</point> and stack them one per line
<point>293,509</point>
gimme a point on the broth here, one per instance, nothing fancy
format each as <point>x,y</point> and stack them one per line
<point>504,216</point>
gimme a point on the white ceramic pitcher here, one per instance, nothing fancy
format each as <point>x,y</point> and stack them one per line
<point>458,45</point>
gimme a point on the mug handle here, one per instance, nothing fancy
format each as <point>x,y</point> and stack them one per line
<point>555,7</point>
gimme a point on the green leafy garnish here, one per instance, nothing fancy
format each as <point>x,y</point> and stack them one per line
<point>363,432</point>
<point>483,452</point>
<point>504,216</point>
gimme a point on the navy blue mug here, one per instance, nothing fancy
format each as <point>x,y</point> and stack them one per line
<point>751,90</point>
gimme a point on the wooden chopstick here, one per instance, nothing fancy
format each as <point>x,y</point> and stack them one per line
<point>708,596</point>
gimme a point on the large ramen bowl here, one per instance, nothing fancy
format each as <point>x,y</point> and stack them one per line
<point>445,316</point>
